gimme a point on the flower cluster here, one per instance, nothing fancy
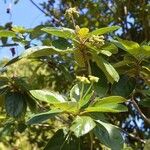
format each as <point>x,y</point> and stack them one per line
<point>97,40</point>
<point>72,11</point>
<point>88,80</point>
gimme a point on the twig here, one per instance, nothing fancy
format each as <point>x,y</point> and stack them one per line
<point>133,136</point>
<point>39,7</point>
<point>55,19</point>
<point>140,112</point>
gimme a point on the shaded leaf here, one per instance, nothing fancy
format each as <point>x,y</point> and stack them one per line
<point>107,68</point>
<point>15,104</point>
<point>39,118</point>
<point>109,135</point>
<point>124,86</point>
<point>59,142</point>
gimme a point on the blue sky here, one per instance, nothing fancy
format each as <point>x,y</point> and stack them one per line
<point>23,14</point>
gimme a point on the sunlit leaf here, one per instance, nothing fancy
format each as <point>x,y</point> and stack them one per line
<point>60,32</point>
<point>109,100</point>
<point>104,30</point>
<point>6,33</point>
<point>47,96</point>
<point>67,106</point>
<point>82,125</point>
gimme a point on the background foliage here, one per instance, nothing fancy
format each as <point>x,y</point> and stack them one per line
<point>53,70</point>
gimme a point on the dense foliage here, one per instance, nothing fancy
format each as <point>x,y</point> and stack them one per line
<point>78,85</point>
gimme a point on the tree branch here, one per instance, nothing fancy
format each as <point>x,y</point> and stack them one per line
<point>134,136</point>
<point>139,111</point>
<point>55,19</point>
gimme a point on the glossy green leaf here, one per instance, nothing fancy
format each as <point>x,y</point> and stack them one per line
<point>107,53</point>
<point>6,33</point>
<point>81,93</point>
<point>104,30</point>
<point>67,106</point>
<point>47,96</point>
<point>39,118</point>
<point>82,125</point>
<point>109,100</point>
<point>113,108</point>
<point>15,104</point>
<point>107,68</point>
<point>109,135</point>
<point>60,32</point>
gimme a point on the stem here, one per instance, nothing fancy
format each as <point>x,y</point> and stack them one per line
<point>91,139</point>
<point>139,111</point>
<point>134,136</point>
<point>82,89</point>
<point>88,90</point>
<point>89,67</point>
<point>73,21</point>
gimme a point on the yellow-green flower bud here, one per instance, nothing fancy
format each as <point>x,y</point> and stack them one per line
<point>72,11</point>
<point>93,78</point>
<point>83,79</point>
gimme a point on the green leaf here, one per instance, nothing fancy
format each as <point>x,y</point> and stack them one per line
<point>39,51</point>
<point>20,29</point>
<point>133,48</point>
<point>104,30</point>
<point>82,125</point>
<point>60,32</point>
<point>71,107</point>
<point>59,141</point>
<point>15,104</point>
<point>39,118</point>
<point>107,53</point>
<point>145,102</point>
<point>56,141</point>
<point>101,87</point>
<point>6,33</point>
<point>47,96</point>
<point>124,87</point>
<point>109,100</point>
<point>81,93</point>
<point>75,93</point>
<point>115,108</point>
<point>110,47</point>
<point>107,68</point>
<point>61,44</point>
<point>109,135</point>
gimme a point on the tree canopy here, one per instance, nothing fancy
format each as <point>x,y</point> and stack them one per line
<point>82,81</point>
